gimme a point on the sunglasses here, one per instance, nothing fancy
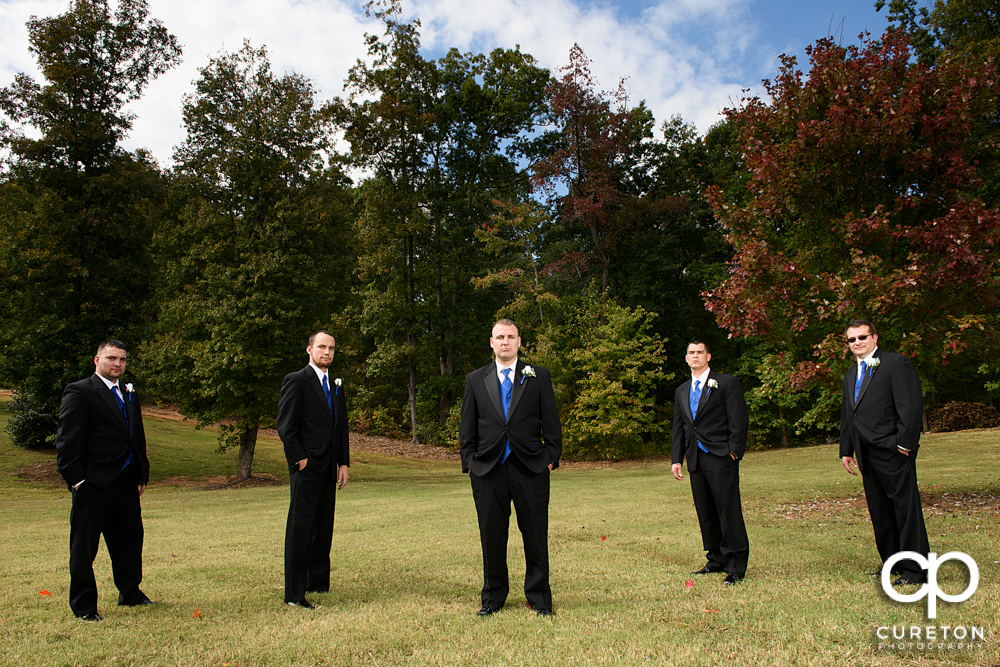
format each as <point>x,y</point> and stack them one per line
<point>850,341</point>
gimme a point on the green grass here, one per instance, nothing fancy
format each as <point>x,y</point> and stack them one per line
<point>407,568</point>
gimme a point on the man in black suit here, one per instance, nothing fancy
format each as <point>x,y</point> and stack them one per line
<point>510,441</point>
<point>312,425</point>
<point>710,428</point>
<point>880,425</point>
<point>101,453</point>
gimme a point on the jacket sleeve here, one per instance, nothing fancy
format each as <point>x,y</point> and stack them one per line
<point>139,440</point>
<point>289,411</point>
<point>677,432</point>
<point>908,400</point>
<point>344,426</point>
<point>737,418</point>
<point>71,437</point>
<point>468,428</point>
<point>846,443</point>
<point>551,428</point>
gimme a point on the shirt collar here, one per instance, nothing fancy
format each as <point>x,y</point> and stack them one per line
<point>701,378</point>
<point>500,367</point>
<point>319,372</point>
<point>109,383</point>
<point>868,358</point>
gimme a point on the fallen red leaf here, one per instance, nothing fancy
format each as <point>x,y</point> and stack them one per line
<point>44,593</point>
<point>603,537</point>
<point>196,612</point>
<point>710,611</point>
<point>689,583</point>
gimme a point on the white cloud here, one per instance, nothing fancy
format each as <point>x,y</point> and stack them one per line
<point>682,56</point>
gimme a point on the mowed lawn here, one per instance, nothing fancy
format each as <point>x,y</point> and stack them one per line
<point>407,567</point>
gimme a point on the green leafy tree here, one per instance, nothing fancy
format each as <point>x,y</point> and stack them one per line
<point>970,27</point>
<point>605,366</point>
<point>256,261</point>
<point>76,210</point>
<point>442,142</point>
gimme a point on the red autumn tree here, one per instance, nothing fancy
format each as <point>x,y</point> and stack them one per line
<point>865,201</point>
<point>598,171</point>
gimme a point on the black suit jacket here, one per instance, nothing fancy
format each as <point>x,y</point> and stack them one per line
<point>93,441</point>
<point>306,427</point>
<point>889,410</point>
<point>532,424</point>
<point>722,423</point>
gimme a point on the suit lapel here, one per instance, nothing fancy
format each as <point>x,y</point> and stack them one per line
<point>108,396</point>
<point>493,387</point>
<point>867,380</point>
<point>515,395</point>
<point>130,410</point>
<point>686,403</point>
<point>317,386</point>
<point>705,392</point>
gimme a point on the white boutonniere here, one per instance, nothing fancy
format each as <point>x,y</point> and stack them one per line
<point>337,384</point>
<point>129,390</point>
<point>873,364</point>
<point>527,372</point>
<point>712,384</point>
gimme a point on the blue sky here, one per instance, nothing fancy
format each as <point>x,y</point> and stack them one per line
<point>687,57</point>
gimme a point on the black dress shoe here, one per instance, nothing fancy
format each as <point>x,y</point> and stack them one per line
<point>144,603</point>
<point>894,572</point>
<point>732,579</point>
<point>709,569</point>
<point>909,580</point>
<point>90,617</point>
<point>545,611</point>
<point>487,610</point>
<point>317,590</point>
<point>300,603</point>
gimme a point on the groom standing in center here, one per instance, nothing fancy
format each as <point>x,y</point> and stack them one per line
<point>511,440</point>
<point>710,428</point>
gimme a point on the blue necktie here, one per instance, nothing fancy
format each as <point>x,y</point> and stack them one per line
<point>329,398</point>
<point>693,399</point>
<point>121,406</point>
<point>506,389</point>
<point>857,383</point>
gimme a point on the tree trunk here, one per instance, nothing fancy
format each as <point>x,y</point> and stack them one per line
<point>248,443</point>
<point>413,403</point>
<point>784,428</point>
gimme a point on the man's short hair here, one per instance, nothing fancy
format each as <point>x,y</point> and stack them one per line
<point>854,324</point>
<point>312,336</point>
<point>698,341</point>
<point>507,322</point>
<point>117,344</point>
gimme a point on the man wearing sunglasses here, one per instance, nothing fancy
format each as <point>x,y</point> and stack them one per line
<point>880,427</point>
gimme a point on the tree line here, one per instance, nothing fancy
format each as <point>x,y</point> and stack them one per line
<point>488,187</point>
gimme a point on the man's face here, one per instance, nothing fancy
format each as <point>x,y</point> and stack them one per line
<point>861,348</point>
<point>697,358</point>
<point>505,342</point>
<point>110,363</point>
<point>321,350</point>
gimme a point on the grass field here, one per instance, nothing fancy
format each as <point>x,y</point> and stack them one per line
<point>407,568</point>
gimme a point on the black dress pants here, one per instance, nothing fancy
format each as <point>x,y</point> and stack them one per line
<point>309,533</point>
<point>890,481</point>
<point>113,511</point>
<point>715,485</point>
<point>506,483</point>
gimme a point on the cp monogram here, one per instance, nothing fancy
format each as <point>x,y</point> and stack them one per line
<point>931,588</point>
